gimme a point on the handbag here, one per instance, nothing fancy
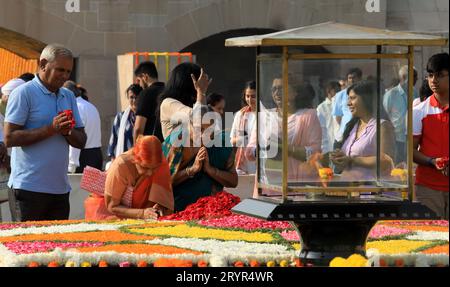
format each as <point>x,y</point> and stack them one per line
<point>93,181</point>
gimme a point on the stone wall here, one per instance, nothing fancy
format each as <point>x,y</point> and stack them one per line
<point>105,28</point>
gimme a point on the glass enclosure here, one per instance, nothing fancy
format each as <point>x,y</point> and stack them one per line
<point>345,127</point>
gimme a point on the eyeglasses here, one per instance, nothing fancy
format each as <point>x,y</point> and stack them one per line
<point>277,88</point>
<point>436,76</point>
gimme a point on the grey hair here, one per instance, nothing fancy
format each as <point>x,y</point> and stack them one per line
<point>72,86</point>
<point>52,51</point>
<point>403,72</point>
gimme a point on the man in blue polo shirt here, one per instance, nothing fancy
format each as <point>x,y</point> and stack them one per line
<point>40,133</point>
<point>341,112</point>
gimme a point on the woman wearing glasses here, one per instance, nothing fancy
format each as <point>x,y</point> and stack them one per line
<point>121,139</point>
<point>244,123</point>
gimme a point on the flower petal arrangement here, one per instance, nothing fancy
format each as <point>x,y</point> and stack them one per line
<point>208,238</point>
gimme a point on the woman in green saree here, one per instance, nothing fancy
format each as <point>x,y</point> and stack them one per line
<point>199,171</point>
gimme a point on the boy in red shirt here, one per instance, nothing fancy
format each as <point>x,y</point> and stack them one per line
<point>431,139</point>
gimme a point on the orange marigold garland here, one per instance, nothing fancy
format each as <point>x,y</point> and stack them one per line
<point>33,264</point>
<point>165,262</point>
<point>254,263</point>
<point>53,264</point>
<point>399,263</point>
<point>298,263</point>
<point>142,264</point>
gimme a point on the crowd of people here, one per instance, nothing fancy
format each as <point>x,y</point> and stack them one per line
<point>171,145</point>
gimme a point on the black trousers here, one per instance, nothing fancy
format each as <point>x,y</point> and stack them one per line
<point>35,206</point>
<point>90,157</point>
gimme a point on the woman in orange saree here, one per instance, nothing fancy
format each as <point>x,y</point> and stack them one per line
<point>138,184</point>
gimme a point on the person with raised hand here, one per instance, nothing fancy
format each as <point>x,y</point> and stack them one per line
<point>183,98</point>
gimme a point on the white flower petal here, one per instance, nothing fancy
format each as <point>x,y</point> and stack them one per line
<point>428,235</point>
<point>81,227</point>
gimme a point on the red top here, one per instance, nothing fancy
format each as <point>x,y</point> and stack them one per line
<point>430,124</point>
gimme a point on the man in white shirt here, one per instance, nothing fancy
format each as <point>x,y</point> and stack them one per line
<point>3,150</point>
<point>6,90</point>
<point>395,102</point>
<point>341,112</point>
<point>91,155</point>
<point>330,127</point>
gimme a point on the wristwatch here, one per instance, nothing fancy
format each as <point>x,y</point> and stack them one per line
<point>430,161</point>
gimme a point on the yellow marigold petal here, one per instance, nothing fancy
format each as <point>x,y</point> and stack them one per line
<point>126,222</point>
<point>284,263</point>
<point>296,246</point>
<point>396,246</point>
<point>70,264</point>
<point>357,260</point>
<point>338,262</point>
<point>423,228</point>
<point>205,233</point>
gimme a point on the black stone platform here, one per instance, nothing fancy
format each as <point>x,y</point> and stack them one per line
<point>330,227</point>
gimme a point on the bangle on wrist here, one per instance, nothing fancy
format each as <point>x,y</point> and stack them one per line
<point>188,173</point>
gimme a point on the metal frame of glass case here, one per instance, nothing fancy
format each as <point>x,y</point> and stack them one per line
<point>336,34</point>
<point>333,227</point>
